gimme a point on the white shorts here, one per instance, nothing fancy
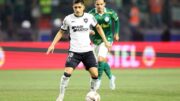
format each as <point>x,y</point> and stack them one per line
<point>100,50</point>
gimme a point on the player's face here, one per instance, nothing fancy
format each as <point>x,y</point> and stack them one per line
<point>100,5</point>
<point>78,9</point>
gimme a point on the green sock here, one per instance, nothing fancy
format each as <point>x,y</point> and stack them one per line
<point>100,69</point>
<point>107,70</point>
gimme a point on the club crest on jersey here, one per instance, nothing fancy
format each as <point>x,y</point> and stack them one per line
<point>85,20</point>
<point>107,19</point>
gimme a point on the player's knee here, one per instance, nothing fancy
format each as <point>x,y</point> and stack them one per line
<point>93,72</point>
<point>94,76</point>
<point>68,70</point>
<point>67,74</point>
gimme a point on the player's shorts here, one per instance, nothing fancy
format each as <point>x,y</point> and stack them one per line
<point>100,50</point>
<point>87,58</point>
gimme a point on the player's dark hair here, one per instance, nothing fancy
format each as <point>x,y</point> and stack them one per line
<point>78,1</point>
<point>104,1</point>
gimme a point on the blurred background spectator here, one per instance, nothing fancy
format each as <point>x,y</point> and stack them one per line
<point>155,12</point>
<point>134,21</point>
<point>25,33</point>
<point>2,34</point>
<point>141,20</point>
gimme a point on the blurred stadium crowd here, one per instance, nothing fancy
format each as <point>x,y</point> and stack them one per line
<point>39,20</point>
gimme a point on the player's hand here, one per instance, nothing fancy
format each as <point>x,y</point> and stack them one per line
<point>108,45</point>
<point>50,49</point>
<point>92,32</point>
<point>116,37</point>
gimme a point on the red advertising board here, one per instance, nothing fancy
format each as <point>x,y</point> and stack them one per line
<point>32,55</point>
<point>145,55</point>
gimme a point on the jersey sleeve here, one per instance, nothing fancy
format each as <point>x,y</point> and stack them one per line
<point>116,21</point>
<point>93,21</point>
<point>114,16</point>
<point>64,25</point>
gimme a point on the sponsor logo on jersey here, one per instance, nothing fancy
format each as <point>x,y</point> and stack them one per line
<point>2,57</point>
<point>79,28</point>
<point>105,25</point>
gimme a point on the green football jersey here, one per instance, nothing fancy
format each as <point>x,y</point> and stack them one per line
<point>106,22</point>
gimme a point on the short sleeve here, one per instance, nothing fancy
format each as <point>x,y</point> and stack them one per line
<point>64,26</point>
<point>94,21</point>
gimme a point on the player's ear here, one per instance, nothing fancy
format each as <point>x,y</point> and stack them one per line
<point>95,3</point>
<point>84,7</point>
<point>104,2</point>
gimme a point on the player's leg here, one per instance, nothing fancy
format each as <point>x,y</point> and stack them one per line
<point>102,58</point>
<point>102,54</point>
<point>90,63</point>
<point>104,66</point>
<point>110,76</point>
<point>100,69</point>
<point>94,78</point>
<point>100,72</point>
<point>64,82</point>
<point>107,70</point>
<point>71,63</point>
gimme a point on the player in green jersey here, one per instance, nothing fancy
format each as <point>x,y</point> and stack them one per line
<point>105,18</point>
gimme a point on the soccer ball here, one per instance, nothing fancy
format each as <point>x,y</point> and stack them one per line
<point>92,96</point>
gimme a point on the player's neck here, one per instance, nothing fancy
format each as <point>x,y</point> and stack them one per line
<point>101,12</point>
<point>78,15</point>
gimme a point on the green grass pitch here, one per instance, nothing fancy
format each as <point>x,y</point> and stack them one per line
<point>131,85</point>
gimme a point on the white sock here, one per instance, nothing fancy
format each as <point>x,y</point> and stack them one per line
<point>63,84</point>
<point>98,84</point>
<point>94,84</point>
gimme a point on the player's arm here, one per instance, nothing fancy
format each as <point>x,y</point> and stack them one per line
<point>92,32</point>
<point>55,41</point>
<point>117,25</point>
<point>101,33</point>
<point>116,34</point>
